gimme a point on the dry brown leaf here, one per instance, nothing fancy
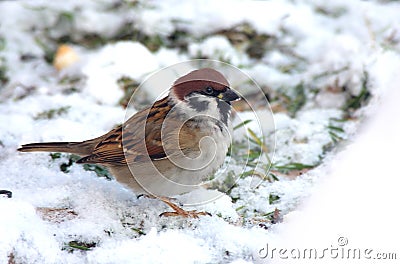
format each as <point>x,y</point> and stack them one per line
<point>56,215</point>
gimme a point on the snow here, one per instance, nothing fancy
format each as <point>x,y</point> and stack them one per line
<point>326,47</point>
<point>167,245</point>
<point>218,47</point>
<point>111,62</point>
<point>360,187</point>
<point>24,232</point>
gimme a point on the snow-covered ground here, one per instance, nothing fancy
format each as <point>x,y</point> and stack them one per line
<point>326,67</point>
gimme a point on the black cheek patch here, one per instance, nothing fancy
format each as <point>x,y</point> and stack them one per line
<point>224,110</point>
<point>197,104</point>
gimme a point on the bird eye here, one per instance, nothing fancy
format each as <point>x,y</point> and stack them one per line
<point>209,90</point>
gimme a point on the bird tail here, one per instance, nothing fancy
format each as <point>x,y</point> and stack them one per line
<point>79,148</point>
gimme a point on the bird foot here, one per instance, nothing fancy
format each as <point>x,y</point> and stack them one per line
<point>179,211</point>
<point>184,213</point>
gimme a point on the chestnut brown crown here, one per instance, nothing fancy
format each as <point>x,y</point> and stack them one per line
<point>204,81</point>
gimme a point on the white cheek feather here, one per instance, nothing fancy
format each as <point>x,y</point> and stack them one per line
<point>211,110</point>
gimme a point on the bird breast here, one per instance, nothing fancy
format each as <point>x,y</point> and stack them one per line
<point>183,171</point>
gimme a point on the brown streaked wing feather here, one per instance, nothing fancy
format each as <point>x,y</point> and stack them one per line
<point>141,148</point>
<point>110,149</point>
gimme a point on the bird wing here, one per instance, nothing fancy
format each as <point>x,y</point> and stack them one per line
<point>139,138</point>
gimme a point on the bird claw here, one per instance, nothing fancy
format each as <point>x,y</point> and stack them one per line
<point>186,214</point>
<point>179,211</point>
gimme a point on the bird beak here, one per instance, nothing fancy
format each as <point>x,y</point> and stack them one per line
<point>228,96</point>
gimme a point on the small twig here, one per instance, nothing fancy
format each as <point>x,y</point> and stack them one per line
<point>6,192</point>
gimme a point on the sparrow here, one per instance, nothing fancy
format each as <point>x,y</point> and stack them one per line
<point>169,148</point>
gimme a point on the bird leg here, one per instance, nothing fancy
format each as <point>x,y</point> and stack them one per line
<point>179,211</point>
